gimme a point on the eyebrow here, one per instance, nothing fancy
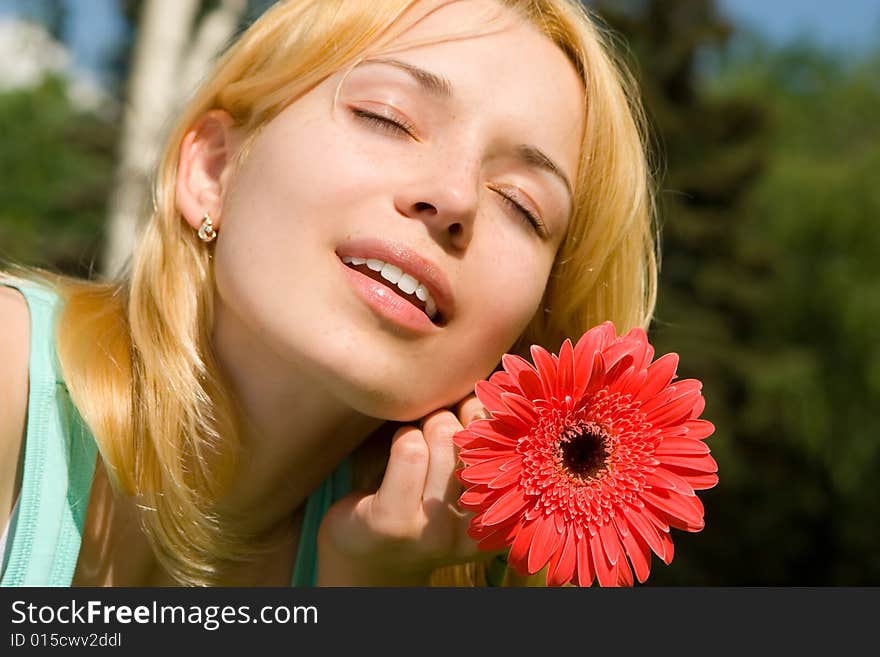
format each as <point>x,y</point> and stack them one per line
<point>435,85</point>
<point>441,87</point>
<point>535,157</point>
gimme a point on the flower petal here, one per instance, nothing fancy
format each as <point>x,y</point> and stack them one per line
<point>699,428</point>
<point>687,386</point>
<point>649,356</point>
<point>565,375</point>
<point>638,340</point>
<point>530,384</point>
<point>561,524</point>
<point>697,480</point>
<point>668,547</point>
<point>636,548</point>
<point>588,370</point>
<point>607,334</point>
<point>702,482</point>
<point>656,518</point>
<point>507,478</point>
<point>681,512</point>
<point>514,364</point>
<point>489,395</point>
<point>546,369</point>
<point>618,352</point>
<point>610,542</point>
<point>645,529</point>
<point>679,389</point>
<point>589,343</point>
<point>664,479</point>
<point>604,570</point>
<point>674,412</point>
<point>508,504</point>
<point>510,424</point>
<point>476,440</point>
<point>624,574</point>
<point>519,548</point>
<point>584,355</point>
<point>546,541</point>
<point>520,407</point>
<point>474,497</point>
<point>564,561</point>
<point>681,447</point>
<point>630,381</point>
<point>486,471</point>
<point>472,456</point>
<point>490,538</point>
<point>699,407</point>
<point>615,371</point>
<point>493,431</point>
<point>585,571</point>
<point>504,381</point>
<point>660,374</point>
<point>525,375</point>
<point>699,463</point>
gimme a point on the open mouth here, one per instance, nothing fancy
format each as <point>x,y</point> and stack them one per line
<point>411,297</point>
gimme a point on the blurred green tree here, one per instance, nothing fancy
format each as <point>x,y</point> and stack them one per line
<point>57,163</point>
<point>713,153</point>
<point>813,398</point>
<point>767,292</point>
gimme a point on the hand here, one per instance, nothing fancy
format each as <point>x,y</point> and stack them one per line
<point>412,524</point>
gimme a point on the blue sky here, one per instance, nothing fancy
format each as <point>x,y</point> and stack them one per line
<point>842,25</point>
<point>845,25</point>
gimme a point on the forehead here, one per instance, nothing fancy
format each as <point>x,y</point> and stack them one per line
<point>502,69</point>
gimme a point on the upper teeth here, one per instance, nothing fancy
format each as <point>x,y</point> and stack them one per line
<point>394,274</point>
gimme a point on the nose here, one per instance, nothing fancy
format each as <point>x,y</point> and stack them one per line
<point>446,202</point>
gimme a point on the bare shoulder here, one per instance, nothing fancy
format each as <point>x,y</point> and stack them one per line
<point>14,357</point>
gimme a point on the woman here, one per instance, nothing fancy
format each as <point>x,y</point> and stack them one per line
<point>358,213</point>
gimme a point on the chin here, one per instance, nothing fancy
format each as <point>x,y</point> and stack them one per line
<point>393,404</point>
<point>387,406</point>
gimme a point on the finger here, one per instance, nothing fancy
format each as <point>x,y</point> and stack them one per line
<point>469,409</point>
<point>441,485</point>
<point>400,494</point>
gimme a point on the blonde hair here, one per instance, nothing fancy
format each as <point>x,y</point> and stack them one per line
<point>136,350</point>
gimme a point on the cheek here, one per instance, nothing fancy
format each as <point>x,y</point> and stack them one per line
<point>292,199</point>
<point>295,175</point>
<point>503,303</point>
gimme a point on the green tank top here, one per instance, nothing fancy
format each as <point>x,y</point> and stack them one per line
<point>59,462</point>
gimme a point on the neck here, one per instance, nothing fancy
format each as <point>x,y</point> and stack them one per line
<point>294,431</point>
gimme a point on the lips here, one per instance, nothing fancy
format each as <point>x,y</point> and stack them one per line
<point>377,276</point>
<point>410,261</point>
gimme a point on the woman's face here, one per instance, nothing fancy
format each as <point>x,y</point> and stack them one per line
<point>434,194</point>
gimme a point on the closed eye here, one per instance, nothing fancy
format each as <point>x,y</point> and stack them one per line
<point>383,122</point>
<point>527,216</point>
<point>399,127</point>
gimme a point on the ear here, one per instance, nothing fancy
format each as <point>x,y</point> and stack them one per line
<point>205,167</point>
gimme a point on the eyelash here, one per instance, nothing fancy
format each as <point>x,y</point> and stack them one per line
<point>527,216</point>
<point>391,125</point>
<point>384,122</point>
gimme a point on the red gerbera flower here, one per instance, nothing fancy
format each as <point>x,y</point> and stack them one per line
<point>588,459</point>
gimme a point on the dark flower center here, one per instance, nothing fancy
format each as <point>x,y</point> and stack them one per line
<point>583,450</point>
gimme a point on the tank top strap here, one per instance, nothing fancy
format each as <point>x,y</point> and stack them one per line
<point>59,460</point>
<point>333,488</point>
